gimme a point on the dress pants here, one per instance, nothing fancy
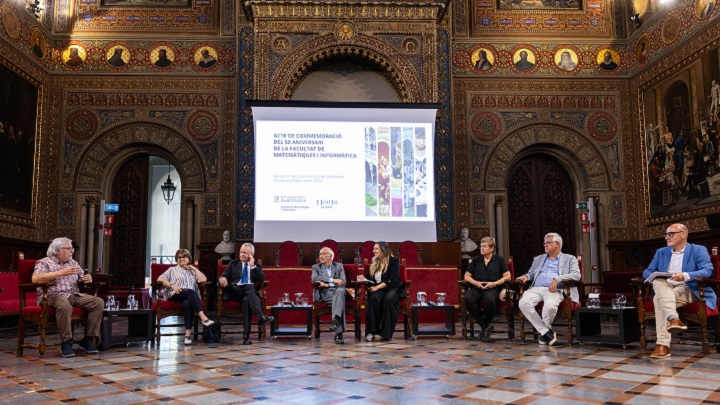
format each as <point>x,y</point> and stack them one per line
<point>191,305</point>
<point>489,303</point>
<point>667,299</point>
<point>551,301</point>
<point>382,313</point>
<point>250,300</point>
<point>63,313</point>
<point>335,296</point>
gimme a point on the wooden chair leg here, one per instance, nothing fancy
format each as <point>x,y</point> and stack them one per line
<point>510,322</point>
<point>21,337</point>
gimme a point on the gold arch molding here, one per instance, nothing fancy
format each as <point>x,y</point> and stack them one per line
<point>395,67</point>
<point>145,137</point>
<point>572,147</point>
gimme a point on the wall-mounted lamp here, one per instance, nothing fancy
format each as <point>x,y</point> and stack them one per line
<point>35,7</point>
<point>168,188</point>
<point>636,19</point>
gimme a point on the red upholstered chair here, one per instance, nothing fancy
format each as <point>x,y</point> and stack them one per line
<point>288,254</point>
<point>696,313</point>
<point>354,303</point>
<point>9,295</point>
<point>566,309</point>
<point>508,306</point>
<point>233,309</point>
<point>334,246</point>
<point>365,252</point>
<point>40,315</point>
<point>166,309</point>
<point>409,253</point>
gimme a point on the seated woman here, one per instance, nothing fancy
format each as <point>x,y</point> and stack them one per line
<point>384,294</point>
<point>181,284</point>
<point>485,275</point>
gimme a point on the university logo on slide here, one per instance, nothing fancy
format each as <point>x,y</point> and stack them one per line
<point>277,198</point>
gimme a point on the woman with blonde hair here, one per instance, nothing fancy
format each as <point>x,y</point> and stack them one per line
<point>181,284</point>
<point>383,294</point>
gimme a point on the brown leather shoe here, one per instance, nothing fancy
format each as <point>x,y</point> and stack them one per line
<point>660,352</point>
<point>676,326</point>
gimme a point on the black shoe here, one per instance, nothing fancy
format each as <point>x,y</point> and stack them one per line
<point>66,349</point>
<point>334,325</point>
<point>339,339</point>
<point>246,340</point>
<point>266,320</point>
<point>87,345</point>
<point>550,337</point>
<point>485,336</point>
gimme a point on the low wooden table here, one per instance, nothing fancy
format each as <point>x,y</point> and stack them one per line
<point>140,327</point>
<point>447,331</point>
<point>276,330</point>
<point>590,329</point>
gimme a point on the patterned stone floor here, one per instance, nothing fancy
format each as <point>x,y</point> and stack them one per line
<point>299,371</point>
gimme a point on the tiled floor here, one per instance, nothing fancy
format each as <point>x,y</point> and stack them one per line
<point>299,371</point>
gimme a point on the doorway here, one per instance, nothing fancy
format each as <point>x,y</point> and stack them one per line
<point>540,200</point>
<point>146,225</point>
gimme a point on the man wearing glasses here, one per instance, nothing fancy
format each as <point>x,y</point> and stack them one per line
<point>685,262</point>
<point>240,282</point>
<point>329,280</point>
<point>63,273</point>
<point>547,274</point>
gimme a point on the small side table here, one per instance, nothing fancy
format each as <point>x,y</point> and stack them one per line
<point>276,330</point>
<point>140,327</point>
<point>447,331</point>
<point>589,327</point>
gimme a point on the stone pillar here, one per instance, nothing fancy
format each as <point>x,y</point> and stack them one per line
<point>83,233</point>
<point>499,225</point>
<point>92,202</point>
<point>189,223</point>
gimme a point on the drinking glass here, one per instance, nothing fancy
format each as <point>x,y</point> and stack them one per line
<point>131,303</point>
<point>440,298</point>
<point>304,302</point>
<point>110,304</point>
<point>298,298</point>
<point>421,297</point>
<point>622,299</point>
<point>286,299</point>
<point>616,303</point>
<point>281,301</point>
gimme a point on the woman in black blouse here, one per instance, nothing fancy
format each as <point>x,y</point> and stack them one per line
<point>486,274</point>
<point>383,295</point>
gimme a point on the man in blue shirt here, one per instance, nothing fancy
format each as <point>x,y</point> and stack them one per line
<point>547,274</point>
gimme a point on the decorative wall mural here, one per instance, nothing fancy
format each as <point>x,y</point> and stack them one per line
<point>38,43</point>
<point>18,120</point>
<point>162,56</point>
<point>703,8</point>
<point>147,3</point>
<point>566,59</point>
<point>74,54</point>
<point>482,58</point>
<point>10,21</point>
<point>681,142</point>
<point>524,59</point>
<point>539,4</point>
<point>642,50</point>
<point>608,59</point>
<point>118,55</point>
<point>205,56</point>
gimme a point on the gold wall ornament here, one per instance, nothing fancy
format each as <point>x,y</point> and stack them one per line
<point>410,45</point>
<point>346,31</point>
<point>281,44</point>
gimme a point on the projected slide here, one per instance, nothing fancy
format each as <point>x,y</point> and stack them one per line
<point>356,168</point>
<point>321,174</point>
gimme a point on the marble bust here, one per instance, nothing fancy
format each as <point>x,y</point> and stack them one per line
<point>467,246</point>
<point>226,248</point>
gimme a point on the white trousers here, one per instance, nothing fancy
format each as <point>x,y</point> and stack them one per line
<point>531,298</point>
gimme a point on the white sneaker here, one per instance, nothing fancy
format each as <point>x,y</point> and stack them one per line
<point>369,338</point>
<point>208,322</point>
<point>188,341</point>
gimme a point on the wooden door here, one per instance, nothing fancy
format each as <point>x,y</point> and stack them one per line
<point>127,244</point>
<point>540,200</point>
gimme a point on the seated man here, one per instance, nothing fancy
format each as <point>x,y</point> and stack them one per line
<point>685,262</point>
<point>64,273</point>
<point>547,273</point>
<point>329,280</point>
<point>239,282</point>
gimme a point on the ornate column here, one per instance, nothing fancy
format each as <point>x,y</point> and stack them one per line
<point>190,223</point>
<point>659,111</point>
<point>499,224</point>
<point>92,202</point>
<point>83,232</point>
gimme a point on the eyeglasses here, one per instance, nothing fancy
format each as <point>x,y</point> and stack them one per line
<point>324,254</point>
<point>68,248</point>
<point>245,253</point>
<point>549,243</point>
<point>670,234</point>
